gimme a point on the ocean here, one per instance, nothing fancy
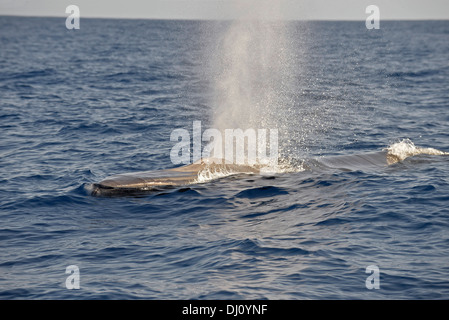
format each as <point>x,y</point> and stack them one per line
<point>77,106</point>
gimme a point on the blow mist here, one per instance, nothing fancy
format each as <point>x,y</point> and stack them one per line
<point>253,74</point>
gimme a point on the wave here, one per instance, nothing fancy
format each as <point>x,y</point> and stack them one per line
<point>418,73</point>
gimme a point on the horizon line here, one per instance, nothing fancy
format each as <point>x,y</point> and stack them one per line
<point>216,19</point>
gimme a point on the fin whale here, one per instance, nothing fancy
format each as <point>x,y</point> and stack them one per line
<point>145,181</point>
<point>137,182</point>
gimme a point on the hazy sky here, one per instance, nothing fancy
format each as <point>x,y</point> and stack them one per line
<point>229,9</point>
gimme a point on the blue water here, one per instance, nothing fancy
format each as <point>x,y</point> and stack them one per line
<point>77,106</point>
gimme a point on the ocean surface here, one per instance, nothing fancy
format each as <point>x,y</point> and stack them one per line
<point>77,106</point>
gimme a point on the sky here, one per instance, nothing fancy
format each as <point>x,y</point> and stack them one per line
<point>230,9</point>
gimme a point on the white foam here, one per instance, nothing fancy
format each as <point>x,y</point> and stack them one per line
<point>211,171</point>
<point>406,148</point>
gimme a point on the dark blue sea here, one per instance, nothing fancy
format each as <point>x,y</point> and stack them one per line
<point>77,106</point>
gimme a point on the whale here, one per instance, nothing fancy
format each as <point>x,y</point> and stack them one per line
<point>147,181</point>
